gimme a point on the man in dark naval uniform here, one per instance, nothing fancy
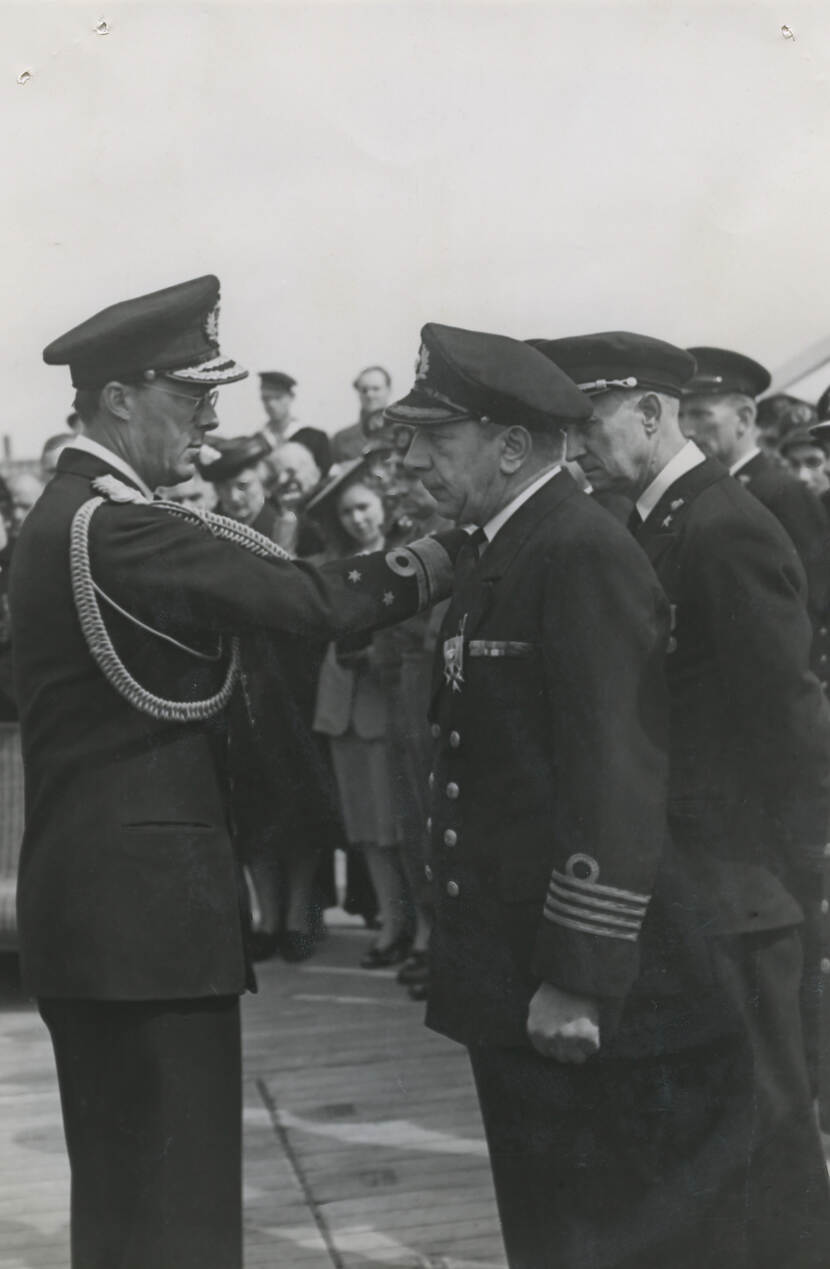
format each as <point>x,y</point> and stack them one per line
<point>125,613</point>
<point>718,411</point>
<point>548,792</point>
<point>748,801</point>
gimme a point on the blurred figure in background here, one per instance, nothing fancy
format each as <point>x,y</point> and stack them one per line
<point>24,488</point>
<point>196,492</point>
<point>353,710</point>
<point>777,415</point>
<point>276,391</point>
<point>373,387</point>
<point>51,452</point>
<point>806,457</point>
<point>295,476</point>
<point>406,654</point>
<point>283,799</point>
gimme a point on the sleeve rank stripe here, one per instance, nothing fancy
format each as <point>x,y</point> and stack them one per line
<point>589,929</point>
<point>601,919</point>
<point>627,908</point>
<point>594,887</point>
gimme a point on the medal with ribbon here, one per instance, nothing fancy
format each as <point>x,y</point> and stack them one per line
<point>454,658</point>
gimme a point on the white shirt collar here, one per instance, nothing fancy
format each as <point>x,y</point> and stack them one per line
<point>742,462</point>
<point>684,460</point>
<point>499,520</point>
<point>88,446</point>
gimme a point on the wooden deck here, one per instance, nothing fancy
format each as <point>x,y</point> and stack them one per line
<point>363,1143</point>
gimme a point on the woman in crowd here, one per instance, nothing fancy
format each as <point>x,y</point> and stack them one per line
<point>353,710</point>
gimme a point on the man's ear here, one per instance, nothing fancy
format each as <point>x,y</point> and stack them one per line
<point>517,446</point>
<point>746,413</point>
<point>117,398</point>
<point>651,408</point>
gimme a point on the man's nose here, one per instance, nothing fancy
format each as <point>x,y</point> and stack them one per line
<point>574,447</point>
<point>415,458</point>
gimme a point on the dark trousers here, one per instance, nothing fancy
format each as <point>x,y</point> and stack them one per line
<point>151,1097</point>
<point>693,1160</point>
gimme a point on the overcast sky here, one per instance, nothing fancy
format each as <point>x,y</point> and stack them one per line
<point>352,170</point>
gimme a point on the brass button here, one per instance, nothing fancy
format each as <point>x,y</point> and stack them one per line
<point>455,739</point>
<point>825,906</point>
<point>825,962</point>
<point>428,873</point>
<point>453,790</point>
<point>429,823</point>
<point>450,837</point>
<point>454,891</point>
<point>435,730</point>
<point>432,779</point>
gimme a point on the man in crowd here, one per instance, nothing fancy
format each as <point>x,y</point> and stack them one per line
<point>805,453</point>
<point>130,899</point>
<point>718,411</point>
<point>748,804</point>
<point>373,387</point>
<point>548,799</point>
<point>276,391</point>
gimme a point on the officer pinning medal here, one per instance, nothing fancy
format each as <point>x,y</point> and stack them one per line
<point>581,759</point>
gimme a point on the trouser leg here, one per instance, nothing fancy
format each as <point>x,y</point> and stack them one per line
<point>151,1097</point>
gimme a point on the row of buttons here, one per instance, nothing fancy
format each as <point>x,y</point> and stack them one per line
<point>454,737</point>
<point>453,888</point>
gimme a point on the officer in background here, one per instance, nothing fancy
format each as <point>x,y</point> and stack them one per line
<point>548,791</point>
<point>130,901</point>
<point>748,803</point>
<point>718,411</point>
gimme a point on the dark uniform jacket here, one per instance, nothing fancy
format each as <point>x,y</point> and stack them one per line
<point>128,885</point>
<point>805,518</point>
<point>548,791</point>
<point>750,739</point>
<point>552,751</point>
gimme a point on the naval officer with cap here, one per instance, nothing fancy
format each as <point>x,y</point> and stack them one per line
<point>718,411</point>
<point>549,781</point>
<point>748,800</point>
<point>125,613</point>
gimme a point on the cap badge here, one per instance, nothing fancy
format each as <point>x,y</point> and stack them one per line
<point>422,365</point>
<point>210,325</point>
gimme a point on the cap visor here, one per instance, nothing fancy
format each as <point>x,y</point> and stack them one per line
<point>214,372</point>
<point>420,409</point>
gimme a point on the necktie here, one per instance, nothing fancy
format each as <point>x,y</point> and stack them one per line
<point>468,557</point>
<point>635,521</point>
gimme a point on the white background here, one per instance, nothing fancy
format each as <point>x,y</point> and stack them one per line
<point>352,170</point>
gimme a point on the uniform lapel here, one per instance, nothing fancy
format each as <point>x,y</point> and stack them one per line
<point>657,533</point>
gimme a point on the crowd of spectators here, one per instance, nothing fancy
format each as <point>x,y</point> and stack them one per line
<point>331,747</point>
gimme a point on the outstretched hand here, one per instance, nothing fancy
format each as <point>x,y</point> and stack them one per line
<point>563,1026</point>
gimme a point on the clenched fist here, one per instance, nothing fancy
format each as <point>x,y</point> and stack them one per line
<point>563,1026</point>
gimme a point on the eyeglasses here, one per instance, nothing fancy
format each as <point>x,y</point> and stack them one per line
<point>207,401</point>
